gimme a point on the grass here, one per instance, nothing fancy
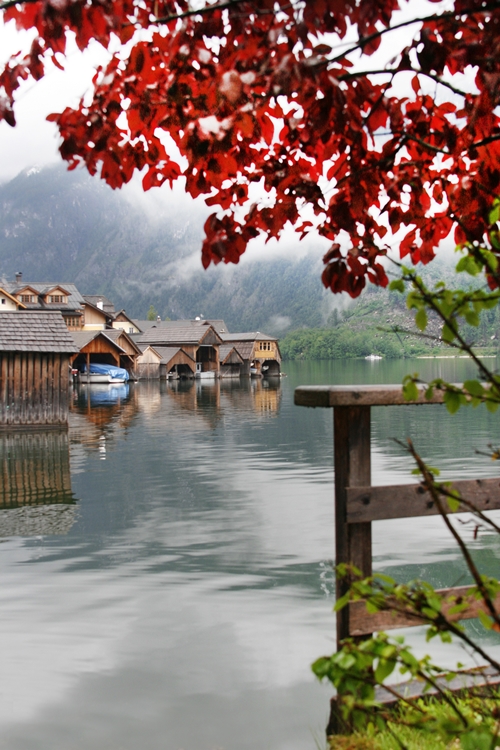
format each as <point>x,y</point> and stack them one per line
<point>481,711</point>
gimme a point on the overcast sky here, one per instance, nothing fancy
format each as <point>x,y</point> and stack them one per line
<point>34,141</point>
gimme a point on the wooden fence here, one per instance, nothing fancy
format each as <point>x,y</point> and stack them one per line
<point>357,504</point>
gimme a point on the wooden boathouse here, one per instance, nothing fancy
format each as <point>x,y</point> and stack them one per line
<point>186,347</point>
<point>110,347</point>
<point>260,353</point>
<point>35,350</point>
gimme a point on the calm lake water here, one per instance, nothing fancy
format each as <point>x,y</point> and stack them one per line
<point>176,593</point>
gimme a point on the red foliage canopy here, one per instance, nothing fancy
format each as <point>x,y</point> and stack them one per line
<point>286,94</point>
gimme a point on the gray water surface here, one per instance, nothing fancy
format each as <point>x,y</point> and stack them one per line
<point>178,599</point>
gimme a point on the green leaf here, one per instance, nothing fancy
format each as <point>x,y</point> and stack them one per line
<point>452,401</point>
<point>410,391</point>
<point>486,620</point>
<point>421,319</point>
<point>494,214</point>
<point>472,318</point>
<point>447,334</point>
<point>468,265</point>
<point>453,504</point>
<point>474,387</point>
<point>384,668</point>
<point>397,285</point>
<point>341,603</point>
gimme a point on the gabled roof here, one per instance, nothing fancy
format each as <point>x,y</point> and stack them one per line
<point>122,314</point>
<point>35,331</point>
<point>104,313</point>
<point>75,299</point>
<point>93,299</point>
<point>227,353</point>
<point>173,333</point>
<point>116,333</point>
<point>168,352</point>
<point>252,336</point>
<point>145,325</point>
<point>244,348</point>
<point>56,288</point>
<point>11,297</point>
<point>83,338</point>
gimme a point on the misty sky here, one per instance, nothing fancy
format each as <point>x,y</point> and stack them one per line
<point>34,141</point>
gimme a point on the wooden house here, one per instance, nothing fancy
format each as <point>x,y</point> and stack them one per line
<point>35,351</point>
<point>8,302</point>
<point>231,362</point>
<point>260,353</point>
<point>148,363</point>
<point>109,347</point>
<point>123,322</point>
<point>95,317</point>
<point>64,298</point>
<point>199,345</point>
<point>175,363</point>
<point>101,302</point>
<point>165,362</point>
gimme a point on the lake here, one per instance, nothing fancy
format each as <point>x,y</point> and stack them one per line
<point>167,565</point>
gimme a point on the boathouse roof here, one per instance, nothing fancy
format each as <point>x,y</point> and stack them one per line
<point>251,336</point>
<point>180,332</point>
<point>35,331</point>
<point>168,352</point>
<point>228,352</point>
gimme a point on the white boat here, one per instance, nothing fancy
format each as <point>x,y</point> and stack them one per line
<point>373,356</point>
<point>103,374</point>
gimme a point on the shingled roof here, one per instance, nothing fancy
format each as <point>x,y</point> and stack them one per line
<point>168,352</point>
<point>35,331</point>
<point>174,333</point>
<point>225,351</point>
<point>75,299</point>
<point>252,336</point>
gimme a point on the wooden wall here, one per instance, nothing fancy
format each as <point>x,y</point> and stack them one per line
<point>34,388</point>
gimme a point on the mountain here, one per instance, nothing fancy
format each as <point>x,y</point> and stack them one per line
<point>141,250</point>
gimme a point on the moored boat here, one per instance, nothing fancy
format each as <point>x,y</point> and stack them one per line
<point>103,374</point>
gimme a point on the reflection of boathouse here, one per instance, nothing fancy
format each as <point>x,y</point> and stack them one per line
<point>35,486</point>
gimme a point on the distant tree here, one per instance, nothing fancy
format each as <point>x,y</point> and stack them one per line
<point>284,95</point>
<point>152,314</point>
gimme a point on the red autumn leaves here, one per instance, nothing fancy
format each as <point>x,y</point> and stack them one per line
<point>277,126</point>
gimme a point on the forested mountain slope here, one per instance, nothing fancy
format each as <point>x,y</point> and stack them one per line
<point>66,226</point>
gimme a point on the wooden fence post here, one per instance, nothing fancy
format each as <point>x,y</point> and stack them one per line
<point>353,541</point>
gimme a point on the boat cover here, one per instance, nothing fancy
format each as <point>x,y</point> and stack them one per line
<point>111,370</point>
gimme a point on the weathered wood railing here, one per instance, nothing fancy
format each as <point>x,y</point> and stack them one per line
<point>357,504</point>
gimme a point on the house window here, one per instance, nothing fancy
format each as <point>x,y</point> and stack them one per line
<point>57,299</point>
<point>130,330</point>
<point>73,322</point>
<point>26,298</point>
<point>3,300</point>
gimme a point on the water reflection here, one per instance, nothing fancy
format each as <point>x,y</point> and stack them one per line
<point>35,487</point>
<point>98,412</point>
<point>185,604</point>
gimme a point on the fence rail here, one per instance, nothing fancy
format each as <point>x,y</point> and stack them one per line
<point>357,503</point>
